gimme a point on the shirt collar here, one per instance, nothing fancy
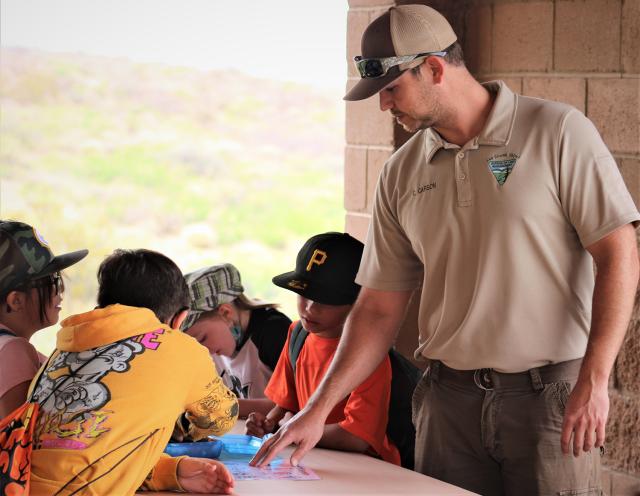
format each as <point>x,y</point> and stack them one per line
<point>497,129</point>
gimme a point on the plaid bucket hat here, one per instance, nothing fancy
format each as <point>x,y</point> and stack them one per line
<point>25,256</point>
<point>212,286</point>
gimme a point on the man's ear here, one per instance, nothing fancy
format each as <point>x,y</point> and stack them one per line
<point>178,319</point>
<point>435,66</point>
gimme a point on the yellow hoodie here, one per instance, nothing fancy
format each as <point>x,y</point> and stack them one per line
<point>122,379</point>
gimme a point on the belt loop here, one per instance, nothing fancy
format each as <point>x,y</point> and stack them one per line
<point>536,380</point>
<point>434,369</point>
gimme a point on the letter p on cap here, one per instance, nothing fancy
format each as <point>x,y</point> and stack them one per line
<point>318,257</point>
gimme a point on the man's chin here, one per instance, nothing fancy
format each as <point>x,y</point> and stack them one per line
<point>410,127</point>
<point>408,124</point>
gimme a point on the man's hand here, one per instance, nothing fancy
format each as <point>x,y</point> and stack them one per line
<point>585,417</point>
<point>201,475</point>
<point>258,424</point>
<point>304,429</point>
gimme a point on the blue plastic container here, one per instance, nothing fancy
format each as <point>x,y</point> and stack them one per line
<point>208,449</point>
<point>241,444</point>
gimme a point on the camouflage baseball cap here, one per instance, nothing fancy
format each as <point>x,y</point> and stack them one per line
<point>26,256</point>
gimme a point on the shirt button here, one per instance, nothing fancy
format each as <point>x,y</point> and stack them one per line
<point>461,155</point>
<point>462,177</point>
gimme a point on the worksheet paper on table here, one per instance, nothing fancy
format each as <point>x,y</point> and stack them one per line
<point>279,471</point>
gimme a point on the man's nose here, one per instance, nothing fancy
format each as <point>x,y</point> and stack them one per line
<point>386,100</point>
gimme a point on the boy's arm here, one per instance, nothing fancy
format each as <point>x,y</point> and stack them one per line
<point>259,424</point>
<point>260,405</point>
<point>184,473</point>
<point>276,414</point>
<point>164,475</point>
<point>215,409</point>
<point>215,413</point>
<point>335,437</point>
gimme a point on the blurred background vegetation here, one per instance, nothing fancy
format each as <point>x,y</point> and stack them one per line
<point>203,166</point>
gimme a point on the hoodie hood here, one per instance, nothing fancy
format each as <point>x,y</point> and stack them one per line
<point>102,326</point>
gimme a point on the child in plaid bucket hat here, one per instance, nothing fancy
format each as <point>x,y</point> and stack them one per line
<point>31,290</point>
<point>244,336</point>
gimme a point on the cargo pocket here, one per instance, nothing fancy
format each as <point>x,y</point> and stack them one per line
<point>559,395</point>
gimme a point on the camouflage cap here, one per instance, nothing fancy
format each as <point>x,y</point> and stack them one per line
<point>26,256</point>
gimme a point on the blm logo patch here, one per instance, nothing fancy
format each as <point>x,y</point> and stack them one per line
<point>502,165</point>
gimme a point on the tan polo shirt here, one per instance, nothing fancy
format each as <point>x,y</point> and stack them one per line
<point>495,234</point>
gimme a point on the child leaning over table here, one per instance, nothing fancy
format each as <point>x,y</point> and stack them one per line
<point>121,375</point>
<point>326,267</point>
<point>244,336</point>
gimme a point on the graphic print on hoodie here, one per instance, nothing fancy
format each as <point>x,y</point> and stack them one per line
<point>76,393</point>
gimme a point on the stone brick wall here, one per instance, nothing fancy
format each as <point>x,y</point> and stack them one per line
<point>582,52</point>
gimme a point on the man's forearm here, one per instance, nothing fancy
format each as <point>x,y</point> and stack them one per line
<point>613,299</point>
<point>585,416</point>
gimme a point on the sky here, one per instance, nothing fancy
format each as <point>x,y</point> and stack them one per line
<point>290,40</point>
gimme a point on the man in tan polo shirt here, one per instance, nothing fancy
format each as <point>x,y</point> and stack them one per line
<point>496,209</point>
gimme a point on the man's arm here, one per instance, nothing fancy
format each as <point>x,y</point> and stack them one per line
<point>369,333</point>
<point>616,259</point>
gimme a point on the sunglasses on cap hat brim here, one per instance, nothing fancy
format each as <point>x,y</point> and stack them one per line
<point>377,67</point>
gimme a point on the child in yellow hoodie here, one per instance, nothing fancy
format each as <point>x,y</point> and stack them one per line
<point>119,378</point>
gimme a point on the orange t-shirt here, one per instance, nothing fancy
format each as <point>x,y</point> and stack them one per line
<point>360,413</point>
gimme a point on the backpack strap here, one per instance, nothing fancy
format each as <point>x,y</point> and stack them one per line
<point>296,342</point>
<point>43,369</point>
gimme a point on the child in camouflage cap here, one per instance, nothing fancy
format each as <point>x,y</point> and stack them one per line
<point>31,290</point>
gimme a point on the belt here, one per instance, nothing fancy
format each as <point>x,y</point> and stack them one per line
<point>490,379</point>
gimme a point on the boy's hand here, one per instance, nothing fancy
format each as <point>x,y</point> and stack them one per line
<point>258,424</point>
<point>201,475</point>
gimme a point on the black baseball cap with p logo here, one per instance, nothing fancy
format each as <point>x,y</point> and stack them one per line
<point>326,269</point>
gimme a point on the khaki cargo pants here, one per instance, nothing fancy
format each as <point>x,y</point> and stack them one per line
<point>499,434</point>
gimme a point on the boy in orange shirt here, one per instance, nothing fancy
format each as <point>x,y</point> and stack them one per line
<point>326,267</point>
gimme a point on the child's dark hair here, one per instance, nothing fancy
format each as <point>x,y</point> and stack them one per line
<point>45,287</point>
<point>143,278</point>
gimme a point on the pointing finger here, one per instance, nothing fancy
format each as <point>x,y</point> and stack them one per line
<point>269,450</point>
